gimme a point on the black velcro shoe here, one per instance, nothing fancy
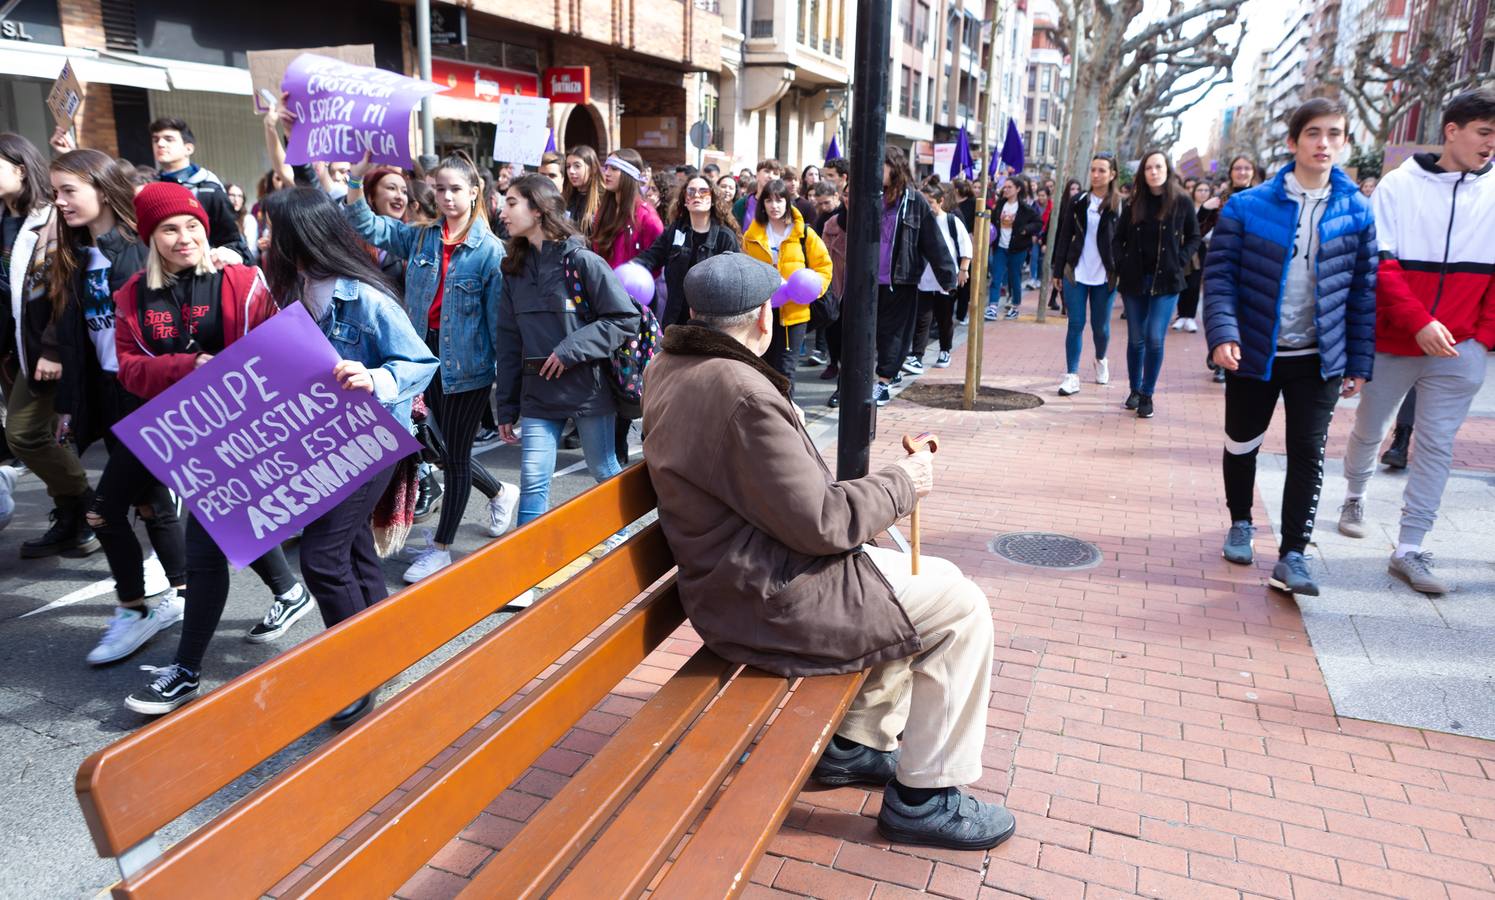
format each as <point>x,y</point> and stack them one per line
<point>949,819</point>
<point>859,765</point>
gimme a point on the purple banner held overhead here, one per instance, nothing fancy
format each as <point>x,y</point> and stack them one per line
<point>344,109</point>
<point>261,440</point>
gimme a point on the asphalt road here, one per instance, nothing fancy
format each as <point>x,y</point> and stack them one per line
<point>55,709</point>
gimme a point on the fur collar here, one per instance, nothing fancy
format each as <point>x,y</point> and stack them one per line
<point>697,340</point>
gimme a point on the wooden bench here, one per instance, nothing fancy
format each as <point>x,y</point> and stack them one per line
<point>609,832</point>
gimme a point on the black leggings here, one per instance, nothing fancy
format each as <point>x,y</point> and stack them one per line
<point>1308,403</point>
<point>207,590</point>
<point>457,419</point>
<point>127,485</point>
<point>936,308</point>
<point>338,559</point>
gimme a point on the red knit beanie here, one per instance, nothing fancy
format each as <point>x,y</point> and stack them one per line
<point>160,200</point>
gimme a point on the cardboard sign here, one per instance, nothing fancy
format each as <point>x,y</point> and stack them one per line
<point>944,154</point>
<point>267,68</point>
<point>262,440</point>
<point>343,110</point>
<point>66,97</point>
<point>523,129</point>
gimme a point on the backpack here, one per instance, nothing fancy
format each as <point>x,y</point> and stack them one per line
<point>826,308</point>
<point>628,361</point>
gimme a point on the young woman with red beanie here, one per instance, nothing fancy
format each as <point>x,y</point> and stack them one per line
<point>169,320</point>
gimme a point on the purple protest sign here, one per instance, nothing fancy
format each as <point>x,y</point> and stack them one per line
<point>344,109</point>
<point>262,440</point>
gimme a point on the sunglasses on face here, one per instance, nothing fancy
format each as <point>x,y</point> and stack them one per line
<point>692,193</point>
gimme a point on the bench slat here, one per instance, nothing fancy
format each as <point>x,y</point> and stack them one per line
<point>383,855</point>
<point>257,841</point>
<point>555,835</point>
<point>130,789</point>
<point>631,849</point>
<point>720,856</point>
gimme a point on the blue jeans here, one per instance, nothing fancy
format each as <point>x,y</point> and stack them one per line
<point>1099,300</point>
<point>1035,258</point>
<point>1147,320</point>
<point>538,439</point>
<point>1006,266</point>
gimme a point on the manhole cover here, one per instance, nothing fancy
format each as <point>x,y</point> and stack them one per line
<point>989,399</point>
<point>1046,550</point>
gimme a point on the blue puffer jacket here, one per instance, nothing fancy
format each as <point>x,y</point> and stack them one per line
<point>1246,270</point>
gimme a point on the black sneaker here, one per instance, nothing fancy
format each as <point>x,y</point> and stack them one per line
<point>427,497</point>
<point>284,612</point>
<point>897,379</point>
<point>1219,376</point>
<point>859,765</point>
<point>881,395</point>
<point>949,819</point>
<point>1144,406</point>
<point>835,400</point>
<point>1132,400</point>
<point>172,687</point>
<point>486,437</point>
<point>67,534</point>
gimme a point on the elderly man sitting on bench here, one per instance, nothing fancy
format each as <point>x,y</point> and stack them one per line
<point>774,570</point>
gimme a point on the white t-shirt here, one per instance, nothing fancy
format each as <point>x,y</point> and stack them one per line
<point>98,308</point>
<point>775,238</point>
<point>1091,270</point>
<point>1008,217</point>
<point>960,249</point>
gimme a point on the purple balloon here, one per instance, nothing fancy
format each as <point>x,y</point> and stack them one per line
<point>637,281</point>
<point>781,296</point>
<point>991,236</point>
<point>804,286</point>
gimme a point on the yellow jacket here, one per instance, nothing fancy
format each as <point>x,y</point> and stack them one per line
<point>801,237</point>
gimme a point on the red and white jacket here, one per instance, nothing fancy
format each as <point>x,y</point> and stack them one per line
<point>1435,233</point>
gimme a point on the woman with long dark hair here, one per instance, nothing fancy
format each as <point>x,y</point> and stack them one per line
<point>30,359</point>
<point>97,252</point>
<point>195,310</point>
<point>315,259</point>
<point>701,226</point>
<point>1017,224</point>
<point>780,236</point>
<point>583,191</point>
<point>452,284</point>
<point>1157,237</point>
<point>555,340</point>
<point>1084,268</point>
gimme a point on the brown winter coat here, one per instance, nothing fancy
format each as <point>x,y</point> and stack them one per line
<point>769,545</point>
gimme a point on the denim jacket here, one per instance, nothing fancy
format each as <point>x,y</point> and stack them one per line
<point>367,326</point>
<point>469,302</point>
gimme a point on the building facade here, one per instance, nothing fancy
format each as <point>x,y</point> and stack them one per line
<point>1046,89</point>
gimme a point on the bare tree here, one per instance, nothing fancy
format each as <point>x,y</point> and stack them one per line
<point>1152,105</point>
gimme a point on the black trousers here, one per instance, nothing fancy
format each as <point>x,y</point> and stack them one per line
<point>897,307</point>
<point>125,486</point>
<point>1308,403</point>
<point>1188,301</point>
<point>207,590</point>
<point>783,352</point>
<point>833,342</point>
<point>936,309</point>
<point>338,559</point>
<point>457,419</point>
<point>963,300</point>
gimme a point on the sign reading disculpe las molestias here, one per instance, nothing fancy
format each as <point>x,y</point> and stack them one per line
<point>261,440</point>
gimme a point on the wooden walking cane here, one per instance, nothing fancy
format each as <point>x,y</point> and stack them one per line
<point>913,444</point>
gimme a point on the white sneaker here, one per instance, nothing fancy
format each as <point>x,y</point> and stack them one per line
<point>170,608</point>
<point>944,360</point>
<point>155,577</point>
<point>1178,324</point>
<point>913,365</point>
<point>1191,325</point>
<point>1102,372</point>
<point>428,563</point>
<point>522,601</point>
<point>1070,385</point>
<point>501,508</point>
<point>412,549</point>
<point>127,631</point>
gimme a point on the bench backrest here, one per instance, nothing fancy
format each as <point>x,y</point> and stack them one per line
<point>132,788</point>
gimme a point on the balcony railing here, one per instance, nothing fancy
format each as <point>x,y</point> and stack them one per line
<point>761,28</point>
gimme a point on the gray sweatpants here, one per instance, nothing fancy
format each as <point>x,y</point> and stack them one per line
<point>1445,389</point>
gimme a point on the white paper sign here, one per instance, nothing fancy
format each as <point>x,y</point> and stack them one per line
<point>523,129</point>
<point>944,154</point>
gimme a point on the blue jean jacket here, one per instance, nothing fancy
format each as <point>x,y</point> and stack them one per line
<point>367,326</point>
<point>469,301</point>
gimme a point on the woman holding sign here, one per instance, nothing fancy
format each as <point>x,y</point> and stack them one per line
<point>316,259</point>
<point>452,283</point>
<point>169,320</point>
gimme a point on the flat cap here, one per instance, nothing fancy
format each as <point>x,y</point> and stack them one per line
<point>729,284</point>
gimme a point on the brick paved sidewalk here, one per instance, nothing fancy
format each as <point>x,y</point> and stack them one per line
<point>1159,724</point>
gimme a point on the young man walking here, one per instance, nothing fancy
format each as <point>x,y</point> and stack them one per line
<point>173,144</point>
<point>1289,289</point>
<point>1435,321</point>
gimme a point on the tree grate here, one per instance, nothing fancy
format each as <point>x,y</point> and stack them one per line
<point>1046,550</point>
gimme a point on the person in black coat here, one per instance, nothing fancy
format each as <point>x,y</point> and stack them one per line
<point>701,226</point>
<point>1084,269</point>
<point>1017,225</point>
<point>1157,238</point>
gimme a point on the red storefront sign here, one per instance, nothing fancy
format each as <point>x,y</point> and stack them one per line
<point>469,82</point>
<point>569,84</point>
